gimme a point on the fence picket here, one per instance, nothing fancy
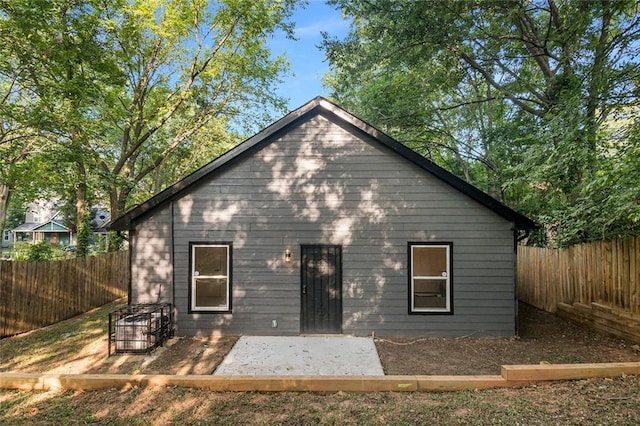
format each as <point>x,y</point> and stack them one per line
<point>605,272</point>
<point>598,275</point>
<point>36,294</point>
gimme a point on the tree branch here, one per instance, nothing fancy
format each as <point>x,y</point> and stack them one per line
<point>489,78</point>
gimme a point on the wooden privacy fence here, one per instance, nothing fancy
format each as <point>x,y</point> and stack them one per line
<point>595,283</point>
<point>36,294</point>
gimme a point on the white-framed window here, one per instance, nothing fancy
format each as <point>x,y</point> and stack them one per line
<point>6,235</point>
<point>430,280</point>
<point>210,276</point>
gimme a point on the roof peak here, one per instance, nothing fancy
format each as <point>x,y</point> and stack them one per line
<point>337,114</point>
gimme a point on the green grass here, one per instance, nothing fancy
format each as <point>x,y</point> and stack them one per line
<point>43,346</point>
<point>598,401</point>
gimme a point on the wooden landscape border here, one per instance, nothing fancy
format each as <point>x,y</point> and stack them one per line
<point>512,375</point>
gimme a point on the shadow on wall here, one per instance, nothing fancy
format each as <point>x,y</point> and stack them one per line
<point>322,183</point>
<point>319,183</point>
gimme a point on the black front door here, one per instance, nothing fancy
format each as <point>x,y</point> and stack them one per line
<point>321,289</point>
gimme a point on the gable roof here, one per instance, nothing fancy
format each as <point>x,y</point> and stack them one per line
<point>318,106</point>
<point>48,226</point>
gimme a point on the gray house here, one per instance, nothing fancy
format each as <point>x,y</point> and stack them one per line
<point>322,224</point>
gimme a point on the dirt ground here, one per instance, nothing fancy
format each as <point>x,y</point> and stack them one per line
<point>543,338</point>
<point>79,345</point>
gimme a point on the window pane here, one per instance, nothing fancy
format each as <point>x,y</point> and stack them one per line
<point>430,294</point>
<point>429,261</point>
<point>210,261</point>
<point>211,292</point>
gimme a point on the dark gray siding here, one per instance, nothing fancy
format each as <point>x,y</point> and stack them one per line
<point>320,184</point>
<point>151,262</point>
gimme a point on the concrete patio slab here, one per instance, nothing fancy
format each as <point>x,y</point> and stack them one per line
<point>302,356</point>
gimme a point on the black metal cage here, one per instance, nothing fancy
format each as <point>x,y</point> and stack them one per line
<point>140,328</point>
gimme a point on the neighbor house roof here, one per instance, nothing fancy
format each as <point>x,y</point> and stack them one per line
<point>51,225</point>
<point>317,106</point>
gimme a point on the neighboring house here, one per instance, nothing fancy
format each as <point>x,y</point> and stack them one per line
<point>6,238</point>
<point>100,218</point>
<point>322,224</point>
<point>43,222</point>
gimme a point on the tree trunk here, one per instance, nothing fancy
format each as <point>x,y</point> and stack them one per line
<point>82,224</point>
<point>118,201</point>
<point>597,91</point>
<point>117,206</point>
<point>113,202</point>
<point>5,197</point>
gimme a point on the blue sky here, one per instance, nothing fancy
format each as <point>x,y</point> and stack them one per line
<point>307,61</point>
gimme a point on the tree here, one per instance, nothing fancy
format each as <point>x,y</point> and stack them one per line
<point>22,142</point>
<point>190,66</point>
<point>17,144</point>
<point>520,88</point>
<point>125,86</point>
<point>63,65</point>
